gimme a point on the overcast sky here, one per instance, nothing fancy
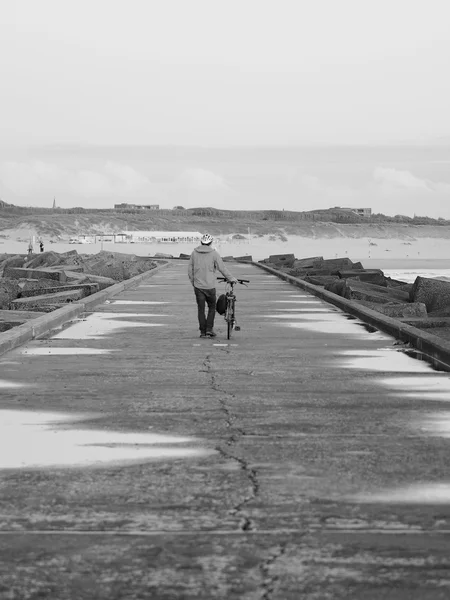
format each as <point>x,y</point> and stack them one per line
<point>230,72</point>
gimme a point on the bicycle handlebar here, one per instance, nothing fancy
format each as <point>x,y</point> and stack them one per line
<point>242,281</point>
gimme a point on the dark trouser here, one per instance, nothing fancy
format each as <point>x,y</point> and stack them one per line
<point>204,297</point>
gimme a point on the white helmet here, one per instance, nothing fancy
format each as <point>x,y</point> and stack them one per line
<point>206,239</point>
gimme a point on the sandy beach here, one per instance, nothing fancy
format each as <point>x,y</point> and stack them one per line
<point>423,253</point>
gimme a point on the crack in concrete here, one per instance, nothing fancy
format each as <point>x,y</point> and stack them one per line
<point>270,580</point>
<point>246,523</point>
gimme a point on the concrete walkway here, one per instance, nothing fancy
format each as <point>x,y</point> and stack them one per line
<point>306,459</point>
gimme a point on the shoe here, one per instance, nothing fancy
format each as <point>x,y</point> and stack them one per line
<point>211,334</point>
<point>202,334</point>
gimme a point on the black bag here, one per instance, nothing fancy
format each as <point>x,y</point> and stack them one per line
<point>221,304</point>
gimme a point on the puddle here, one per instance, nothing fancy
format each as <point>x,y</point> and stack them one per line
<point>322,327</point>
<point>330,320</point>
<point>39,440</point>
<point>65,351</point>
<point>384,359</point>
<point>287,302</point>
<point>433,396</point>
<point>437,424</point>
<point>137,302</point>
<point>418,386</point>
<point>331,325</point>
<point>300,309</point>
<point>421,493</point>
<point>367,327</point>
<point>11,384</point>
<point>435,387</point>
<point>102,323</point>
<point>309,311</point>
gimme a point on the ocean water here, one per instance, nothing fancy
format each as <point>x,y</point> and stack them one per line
<point>409,275</point>
<point>390,179</point>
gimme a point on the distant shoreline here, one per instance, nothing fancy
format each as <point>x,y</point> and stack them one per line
<point>406,263</point>
<point>424,254</point>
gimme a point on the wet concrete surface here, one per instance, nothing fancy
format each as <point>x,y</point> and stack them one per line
<point>307,458</point>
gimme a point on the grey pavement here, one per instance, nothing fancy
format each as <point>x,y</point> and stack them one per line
<point>306,458</point>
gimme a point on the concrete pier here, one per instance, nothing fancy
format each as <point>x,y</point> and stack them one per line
<point>306,458</point>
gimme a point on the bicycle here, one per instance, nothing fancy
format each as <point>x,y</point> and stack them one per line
<point>230,311</point>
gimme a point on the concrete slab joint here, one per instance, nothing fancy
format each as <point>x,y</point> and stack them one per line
<point>246,523</point>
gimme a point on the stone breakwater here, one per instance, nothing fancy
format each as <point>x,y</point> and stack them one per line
<point>425,304</point>
<point>33,285</point>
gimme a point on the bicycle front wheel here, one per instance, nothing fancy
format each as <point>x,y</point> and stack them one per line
<point>229,328</point>
<point>230,317</point>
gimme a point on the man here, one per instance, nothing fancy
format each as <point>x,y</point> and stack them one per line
<point>203,264</point>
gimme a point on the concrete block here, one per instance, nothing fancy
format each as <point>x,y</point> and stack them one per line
<point>397,310</point>
<point>12,261</point>
<point>18,315</point>
<point>313,262</point>
<point>74,276</point>
<point>86,288</point>
<point>442,312</point>
<point>357,290</point>
<point>14,318</point>
<point>354,293</point>
<point>37,284</point>
<point>428,323</point>
<point>357,265</point>
<point>337,287</point>
<point>286,260</point>
<point>70,255</point>
<point>400,285</point>
<point>434,293</point>
<point>39,302</point>
<point>374,276</point>
<point>321,280</point>
<point>336,264</point>
<point>390,293</point>
<point>21,273</point>
<point>44,259</point>
<point>103,282</point>
<point>9,290</point>
<point>246,258</point>
<point>316,272</point>
<point>65,267</point>
<point>118,266</point>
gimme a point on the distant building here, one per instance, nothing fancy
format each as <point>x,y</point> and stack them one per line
<point>125,206</point>
<point>121,238</point>
<point>162,236</point>
<point>105,237</point>
<point>362,212</point>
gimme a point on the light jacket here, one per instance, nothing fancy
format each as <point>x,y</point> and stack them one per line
<point>203,264</point>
